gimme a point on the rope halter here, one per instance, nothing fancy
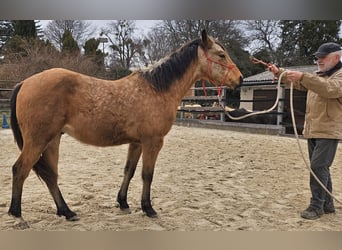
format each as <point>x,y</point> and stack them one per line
<point>228,67</point>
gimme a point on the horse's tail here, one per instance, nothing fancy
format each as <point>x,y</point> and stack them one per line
<point>14,121</point>
<point>41,168</point>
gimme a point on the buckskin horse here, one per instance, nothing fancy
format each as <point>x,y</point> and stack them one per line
<point>138,109</point>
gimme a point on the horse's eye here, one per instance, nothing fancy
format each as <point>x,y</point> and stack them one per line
<point>222,56</point>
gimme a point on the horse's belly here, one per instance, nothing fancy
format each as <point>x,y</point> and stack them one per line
<point>99,136</point>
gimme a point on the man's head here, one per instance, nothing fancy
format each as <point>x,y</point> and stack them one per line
<point>328,55</point>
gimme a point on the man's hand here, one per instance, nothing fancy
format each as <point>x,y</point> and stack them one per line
<point>294,76</point>
<point>274,69</point>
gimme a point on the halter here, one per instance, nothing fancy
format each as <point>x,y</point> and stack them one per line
<point>228,67</point>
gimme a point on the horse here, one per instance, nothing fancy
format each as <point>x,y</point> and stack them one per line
<point>138,110</point>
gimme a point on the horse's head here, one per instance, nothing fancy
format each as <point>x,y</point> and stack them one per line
<point>216,62</point>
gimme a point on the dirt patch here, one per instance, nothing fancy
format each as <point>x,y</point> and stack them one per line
<point>205,179</point>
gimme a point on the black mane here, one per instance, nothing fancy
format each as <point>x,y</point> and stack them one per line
<point>163,75</point>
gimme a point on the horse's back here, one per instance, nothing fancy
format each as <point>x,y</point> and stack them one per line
<point>50,78</point>
<point>47,89</point>
<point>44,99</point>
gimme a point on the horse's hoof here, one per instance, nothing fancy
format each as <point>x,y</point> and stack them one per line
<point>125,210</point>
<point>151,213</point>
<point>22,224</point>
<point>73,218</point>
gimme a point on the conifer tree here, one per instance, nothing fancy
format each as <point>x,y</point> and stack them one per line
<point>25,28</point>
<point>91,49</point>
<point>69,45</point>
<point>301,38</point>
<point>6,31</point>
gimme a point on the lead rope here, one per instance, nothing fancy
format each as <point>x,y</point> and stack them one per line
<point>257,61</point>
<point>294,128</point>
<point>300,148</point>
<point>258,112</point>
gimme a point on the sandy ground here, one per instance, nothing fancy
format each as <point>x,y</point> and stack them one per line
<point>205,179</point>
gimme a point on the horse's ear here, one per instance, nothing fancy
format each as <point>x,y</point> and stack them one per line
<point>206,40</point>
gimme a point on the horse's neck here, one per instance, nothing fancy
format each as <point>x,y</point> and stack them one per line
<point>182,85</point>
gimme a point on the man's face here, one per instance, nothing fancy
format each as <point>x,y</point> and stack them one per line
<point>327,62</point>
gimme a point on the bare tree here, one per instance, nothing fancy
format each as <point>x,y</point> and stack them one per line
<point>126,47</point>
<point>156,46</point>
<point>169,35</point>
<point>81,31</point>
<point>264,36</point>
<point>181,31</point>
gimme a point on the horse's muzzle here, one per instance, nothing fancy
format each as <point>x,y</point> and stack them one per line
<point>239,83</point>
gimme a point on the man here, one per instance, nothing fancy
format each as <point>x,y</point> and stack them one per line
<point>323,121</point>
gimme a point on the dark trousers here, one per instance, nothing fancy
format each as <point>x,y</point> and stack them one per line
<point>321,153</point>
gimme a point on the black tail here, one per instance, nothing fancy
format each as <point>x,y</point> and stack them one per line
<point>14,122</point>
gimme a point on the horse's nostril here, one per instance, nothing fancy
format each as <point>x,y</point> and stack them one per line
<point>241,80</point>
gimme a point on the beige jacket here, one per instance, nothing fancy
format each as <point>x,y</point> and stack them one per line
<point>323,115</point>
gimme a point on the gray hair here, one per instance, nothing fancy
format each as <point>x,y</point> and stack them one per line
<point>339,52</point>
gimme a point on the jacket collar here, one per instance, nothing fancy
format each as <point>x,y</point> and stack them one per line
<point>330,71</point>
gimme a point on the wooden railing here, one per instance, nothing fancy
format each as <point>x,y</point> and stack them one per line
<point>189,104</point>
<point>5,99</point>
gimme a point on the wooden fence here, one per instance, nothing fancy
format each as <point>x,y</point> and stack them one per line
<point>210,105</point>
<point>5,95</point>
<point>6,88</point>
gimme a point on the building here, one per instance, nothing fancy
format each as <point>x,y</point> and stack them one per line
<point>259,92</point>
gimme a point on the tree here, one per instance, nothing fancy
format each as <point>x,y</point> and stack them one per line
<point>179,32</point>
<point>126,49</point>
<point>91,50</point>
<point>156,46</point>
<point>39,30</point>
<point>264,37</point>
<point>301,38</point>
<point>171,34</point>
<point>90,47</point>
<point>80,30</point>
<point>6,32</point>
<point>69,45</point>
<point>26,54</point>
<point>25,29</point>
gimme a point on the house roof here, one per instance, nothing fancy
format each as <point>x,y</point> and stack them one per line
<point>266,77</point>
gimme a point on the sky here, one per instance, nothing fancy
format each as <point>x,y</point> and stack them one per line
<point>142,25</point>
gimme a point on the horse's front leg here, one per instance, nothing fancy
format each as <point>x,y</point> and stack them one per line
<point>150,150</point>
<point>134,152</point>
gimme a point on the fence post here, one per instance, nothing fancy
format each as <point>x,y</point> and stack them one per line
<point>281,106</point>
<point>223,103</point>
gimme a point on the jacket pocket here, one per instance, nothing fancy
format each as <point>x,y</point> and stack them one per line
<point>318,108</point>
<point>334,108</point>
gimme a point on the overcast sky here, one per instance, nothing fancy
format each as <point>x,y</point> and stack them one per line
<point>142,25</point>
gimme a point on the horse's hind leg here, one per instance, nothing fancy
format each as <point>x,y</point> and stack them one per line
<point>134,152</point>
<point>47,169</point>
<point>20,171</point>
